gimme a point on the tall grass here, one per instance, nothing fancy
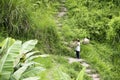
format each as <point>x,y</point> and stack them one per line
<point>30,20</point>
<point>99,56</point>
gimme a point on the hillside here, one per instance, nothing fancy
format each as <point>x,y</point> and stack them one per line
<point>52,25</point>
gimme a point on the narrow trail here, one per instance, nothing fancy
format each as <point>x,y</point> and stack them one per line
<point>62,12</point>
<point>89,71</point>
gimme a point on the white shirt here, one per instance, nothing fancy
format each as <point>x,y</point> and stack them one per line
<point>78,46</point>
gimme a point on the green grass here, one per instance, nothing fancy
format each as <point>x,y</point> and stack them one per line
<point>99,56</point>
<point>45,62</point>
<point>58,68</point>
<point>98,20</point>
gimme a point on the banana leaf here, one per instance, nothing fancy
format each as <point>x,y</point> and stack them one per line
<point>33,71</point>
<point>25,50</point>
<point>28,55</point>
<point>17,74</point>
<point>32,78</point>
<point>28,46</point>
<point>6,44</point>
<point>10,51</point>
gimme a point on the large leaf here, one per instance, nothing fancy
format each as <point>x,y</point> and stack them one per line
<point>33,71</point>
<point>81,74</point>
<point>10,53</point>
<point>28,46</point>
<point>32,78</point>
<point>12,50</point>
<point>6,62</point>
<point>30,54</point>
<point>36,56</point>
<point>6,44</point>
<point>21,70</point>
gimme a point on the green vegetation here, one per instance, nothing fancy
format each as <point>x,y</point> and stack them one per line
<point>58,68</point>
<point>98,20</point>
<point>17,60</point>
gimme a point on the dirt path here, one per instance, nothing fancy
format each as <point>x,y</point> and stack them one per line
<point>90,72</point>
<point>62,12</point>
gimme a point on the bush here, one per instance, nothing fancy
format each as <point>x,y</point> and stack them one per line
<point>113,33</point>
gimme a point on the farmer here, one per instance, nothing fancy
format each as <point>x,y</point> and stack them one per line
<point>77,49</point>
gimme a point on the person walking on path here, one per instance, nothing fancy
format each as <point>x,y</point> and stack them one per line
<point>77,49</point>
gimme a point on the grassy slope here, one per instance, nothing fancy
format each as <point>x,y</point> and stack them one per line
<point>93,18</point>
<point>58,68</point>
<point>100,57</point>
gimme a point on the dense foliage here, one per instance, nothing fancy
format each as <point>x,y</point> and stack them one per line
<point>98,20</point>
<point>26,19</point>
